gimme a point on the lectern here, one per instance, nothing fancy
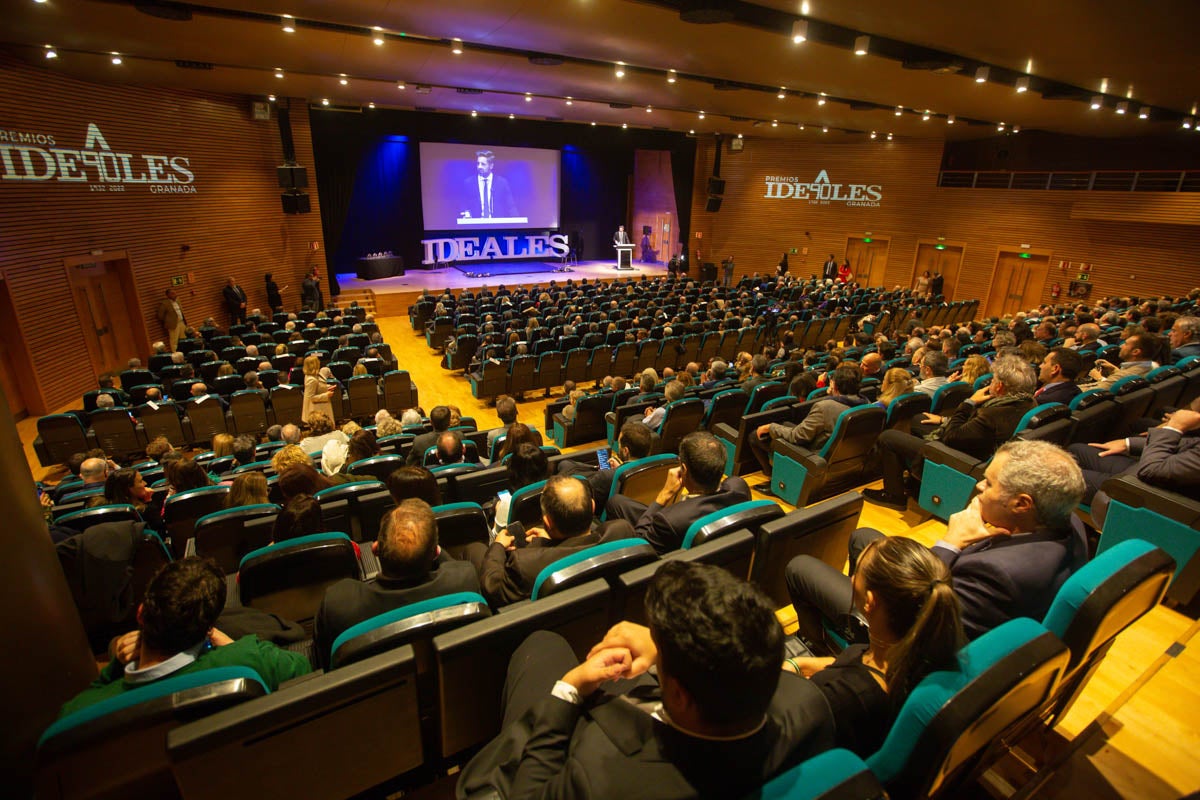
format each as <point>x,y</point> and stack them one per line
<point>624,256</point>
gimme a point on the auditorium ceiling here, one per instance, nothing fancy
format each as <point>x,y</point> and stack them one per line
<point>558,60</point>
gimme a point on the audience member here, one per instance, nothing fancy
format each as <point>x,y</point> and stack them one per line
<point>414,481</point>
<point>934,367</point>
<point>1138,356</point>
<point>320,431</point>
<point>1057,373</point>
<point>439,419</point>
<point>300,516</point>
<point>248,489</point>
<point>1184,338</point>
<point>289,456</point>
<point>301,479</point>
<point>896,381</point>
<point>817,426</point>
<point>634,442</point>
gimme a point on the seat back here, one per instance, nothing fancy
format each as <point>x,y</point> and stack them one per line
<point>1096,416</point>
<point>181,511</point>
<point>642,479</point>
<point>162,421</point>
<point>469,698</point>
<point>116,432</point>
<point>821,530</point>
<point>832,775</point>
<point>1049,422</point>
<point>727,407</point>
<point>760,394</point>
<point>355,508</point>
<point>750,515</point>
<point>852,441</point>
<point>62,436</point>
<point>1135,396</point>
<point>478,486</point>
<point>526,505</point>
<point>549,370</point>
<point>249,412</point>
<point>84,519</point>
<point>331,719</point>
<point>950,718</point>
<point>905,408</point>
<point>1101,599</point>
<point>287,401</point>
<point>683,417</point>
<point>460,524</point>
<point>588,563</point>
<point>117,747</point>
<point>378,467</point>
<point>415,623</point>
<point>207,418</point>
<point>224,536</point>
<point>949,397</point>
<point>289,578</point>
<point>363,393</point>
<point>399,392</point>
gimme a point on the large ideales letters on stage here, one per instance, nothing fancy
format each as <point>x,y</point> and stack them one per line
<point>486,248</point>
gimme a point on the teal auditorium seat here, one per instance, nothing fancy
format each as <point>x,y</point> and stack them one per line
<point>798,474</point>
<point>289,578</point>
<point>1095,414</point>
<point>821,530</point>
<point>85,518</point>
<point>355,508</point>
<point>181,511</point>
<point>736,438</point>
<point>117,747</point>
<point>226,537</point>
<point>1166,519</point>
<point>460,524</point>
<point>640,479</point>
<point>683,417</point>
<point>951,717</point>
<point>589,563</point>
<point>751,515</point>
<point>904,409</point>
<point>405,625</point>
<point>832,775</point>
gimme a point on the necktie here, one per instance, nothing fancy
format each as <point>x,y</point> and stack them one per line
<point>489,196</point>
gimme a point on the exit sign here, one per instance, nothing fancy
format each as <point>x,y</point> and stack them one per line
<point>1083,276</point>
<point>177,280</point>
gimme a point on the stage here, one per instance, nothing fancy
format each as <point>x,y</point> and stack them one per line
<point>393,296</point>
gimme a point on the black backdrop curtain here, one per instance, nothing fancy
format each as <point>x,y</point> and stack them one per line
<point>368,180</point>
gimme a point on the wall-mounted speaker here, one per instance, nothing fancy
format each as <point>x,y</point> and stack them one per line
<point>713,204</point>
<point>716,186</point>
<point>295,202</point>
<point>292,177</point>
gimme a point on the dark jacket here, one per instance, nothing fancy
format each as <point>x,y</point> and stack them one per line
<point>508,575</point>
<point>980,430</point>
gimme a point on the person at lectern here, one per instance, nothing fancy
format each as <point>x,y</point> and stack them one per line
<point>486,195</point>
<point>621,237</point>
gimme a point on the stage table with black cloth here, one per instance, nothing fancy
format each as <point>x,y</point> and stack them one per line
<point>374,267</point>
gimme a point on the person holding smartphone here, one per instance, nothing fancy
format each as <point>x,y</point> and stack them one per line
<point>636,441</point>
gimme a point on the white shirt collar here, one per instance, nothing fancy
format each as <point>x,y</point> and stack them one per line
<point>163,668</point>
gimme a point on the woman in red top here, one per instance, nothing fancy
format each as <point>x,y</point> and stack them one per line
<point>844,274</point>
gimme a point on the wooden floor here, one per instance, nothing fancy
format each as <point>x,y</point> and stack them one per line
<point>1149,745</point>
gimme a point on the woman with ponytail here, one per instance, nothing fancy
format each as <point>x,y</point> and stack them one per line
<point>904,593</point>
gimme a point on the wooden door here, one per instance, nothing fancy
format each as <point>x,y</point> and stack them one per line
<point>868,260</point>
<point>945,261</point>
<point>1017,283</point>
<point>11,344</point>
<point>104,314</point>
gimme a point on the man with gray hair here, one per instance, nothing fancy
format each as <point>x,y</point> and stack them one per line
<point>1185,338</point>
<point>290,433</point>
<point>981,424</point>
<point>1009,551</point>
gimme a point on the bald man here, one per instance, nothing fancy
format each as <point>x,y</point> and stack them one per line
<point>871,365</point>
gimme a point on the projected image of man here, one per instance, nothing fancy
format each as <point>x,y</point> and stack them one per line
<point>486,195</point>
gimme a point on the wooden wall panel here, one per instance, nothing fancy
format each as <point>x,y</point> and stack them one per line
<point>1138,243</point>
<point>232,225</point>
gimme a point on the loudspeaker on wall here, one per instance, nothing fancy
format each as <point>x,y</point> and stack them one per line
<point>295,202</point>
<point>292,177</point>
<point>713,204</point>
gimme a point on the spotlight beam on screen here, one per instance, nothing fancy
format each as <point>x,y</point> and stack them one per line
<point>479,187</point>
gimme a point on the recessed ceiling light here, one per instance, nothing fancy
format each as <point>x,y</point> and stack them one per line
<point>649,109</point>
<point>799,31</point>
<point>50,51</point>
<point>1144,112</point>
<point>782,92</point>
<point>1122,107</point>
<point>325,101</point>
<point>821,99</point>
<point>800,125</point>
<point>889,137</point>
<point>624,125</point>
<point>1103,85</point>
<point>1000,127</point>
<point>288,22</point>
<point>981,74</point>
<point>949,119</point>
<point>1016,129</point>
<point>378,36</point>
<point>474,113</point>
<point>862,45</point>
<point>692,131</point>
<point>1097,102</point>
<point>116,58</point>
<point>872,134</point>
<point>925,116</point>
<point>899,110</point>
<point>671,76</point>
<point>774,123</point>
<point>370,105</point>
<point>528,97</point>
<point>512,116</point>
<point>1187,123</point>
<point>342,80</point>
<point>1022,84</point>
<point>824,130</point>
<point>278,72</point>
<point>271,98</point>
<point>804,7</point>
<point>701,115</point>
<point>620,69</point>
<point>570,102</point>
<point>456,46</point>
<point>39,1</point>
<point>401,86</point>
<point>593,124</point>
<point>739,136</point>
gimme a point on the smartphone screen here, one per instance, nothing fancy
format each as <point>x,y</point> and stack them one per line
<point>504,494</point>
<point>602,457</point>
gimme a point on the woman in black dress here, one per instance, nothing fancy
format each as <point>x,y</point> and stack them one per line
<point>274,298</point>
<point>903,591</point>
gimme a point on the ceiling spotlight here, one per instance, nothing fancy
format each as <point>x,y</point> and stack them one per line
<point>949,119</point>
<point>692,131</point>
<point>899,110</point>
<point>981,74</point>
<point>620,70</point>
<point>270,98</point>
<point>278,72</point>
<point>782,92</point>
<point>649,109</point>
<point>1144,112</point>
<point>739,136</point>
<point>889,137</point>
<point>116,58</point>
<point>1103,85</point>
<point>1022,85</point>
<point>774,123</point>
<point>1097,102</point>
<point>872,134</point>
<point>456,46</point>
<point>824,130</point>
<point>861,45</point>
<point>342,80</point>
<point>288,22</point>
<point>799,31</point>
<point>800,125</point>
<point>512,116</point>
<point>325,101</point>
<point>1000,127</point>
<point>51,52</point>
<point>671,76</point>
<point>701,115</point>
<point>624,125</point>
<point>1122,107</point>
<point>1016,129</point>
<point>378,36</point>
<point>1187,123</point>
<point>474,113</point>
<point>401,86</point>
<point>593,124</point>
<point>821,99</point>
<point>925,116</point>
<point>570,101</point>
<point>528,97</point>
<point>370,105</point>
<point>39,1</point>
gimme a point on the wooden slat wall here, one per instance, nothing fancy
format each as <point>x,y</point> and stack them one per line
<point>1138,243</point>
<point>233,225</point>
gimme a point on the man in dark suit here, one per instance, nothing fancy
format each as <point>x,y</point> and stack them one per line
<point>717,716</point>
<point>830,269</point>
<point>507,573</point>
<point>200,393</point>
<point>410,570</point>
<point>1057,374</point>
<point>486,195</point>
<point>1008,552</point>
<point>170,315</point>
<point>635,441</point>
<point>439,418</point>
<point>665,521</point>
<point>235,301</point>
<point>1184,336</point>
